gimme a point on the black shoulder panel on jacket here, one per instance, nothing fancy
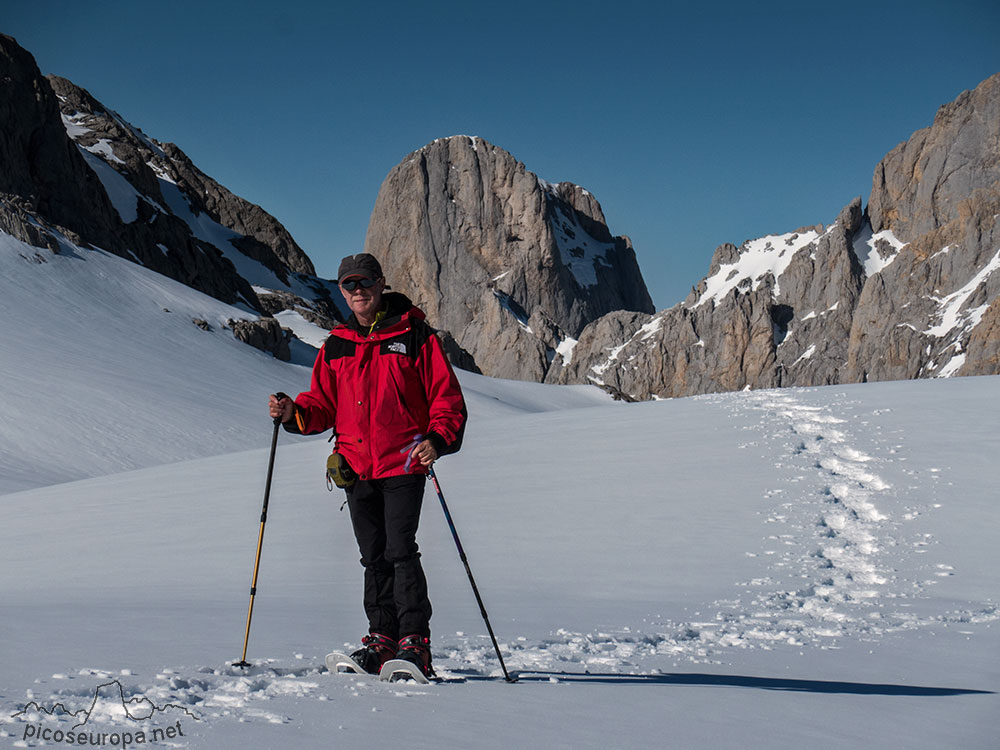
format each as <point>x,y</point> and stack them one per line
<point>336,347</point>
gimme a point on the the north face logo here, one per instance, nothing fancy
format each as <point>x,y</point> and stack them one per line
<point>396,346</point>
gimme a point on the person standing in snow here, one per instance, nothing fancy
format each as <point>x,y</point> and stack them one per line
<point>382,382</point>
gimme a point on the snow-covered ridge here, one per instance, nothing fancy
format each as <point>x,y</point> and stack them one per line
<point>101,158</point>
<point>824,284</point>
<point>75,130</point>
<point>955,320</point>
<point>125,198</point>
<point>758,258</point>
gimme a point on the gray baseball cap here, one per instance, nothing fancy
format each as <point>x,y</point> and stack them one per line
<point>362,264</point>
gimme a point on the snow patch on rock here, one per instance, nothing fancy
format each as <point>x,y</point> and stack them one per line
<point>771,254</point>
<point>869,248</point>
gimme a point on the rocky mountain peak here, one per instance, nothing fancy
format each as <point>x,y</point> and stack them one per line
<point>525,276</point>
<point>510,264</point>
<point>42,171</point>
<point>154,167</point>
<point>921,184</point>
<point>74,168</point>
<point>909,288</point>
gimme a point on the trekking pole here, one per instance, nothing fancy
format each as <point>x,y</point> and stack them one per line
<point>465,562</point>
<point>242,663</point>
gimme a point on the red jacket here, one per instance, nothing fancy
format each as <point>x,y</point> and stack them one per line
<point>380,388</point>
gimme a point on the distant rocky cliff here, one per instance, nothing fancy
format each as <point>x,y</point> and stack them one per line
<point>935,309</point>
<point>72,167</point>
<point>776,311</point>
<point>525,278</point>
<point>908,288</point>
<point>512,266</point>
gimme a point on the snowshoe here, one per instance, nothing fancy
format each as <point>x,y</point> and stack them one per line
<point>375,651</point>
<point>413,660</point>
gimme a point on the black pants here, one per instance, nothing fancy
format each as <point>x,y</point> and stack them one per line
<point>385,514</point>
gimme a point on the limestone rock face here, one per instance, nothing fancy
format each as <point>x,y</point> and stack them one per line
<point>920,185</point>
<point>910,289</point>
<point>508,263</point>
<point>927,313</point>
<point>984,344</point>
<point>924,315</point>
<point>775,311</point>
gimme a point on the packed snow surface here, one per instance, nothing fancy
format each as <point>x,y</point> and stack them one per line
<point>770,569</point>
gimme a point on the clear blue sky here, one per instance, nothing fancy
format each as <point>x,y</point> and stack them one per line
<point>692,124</point>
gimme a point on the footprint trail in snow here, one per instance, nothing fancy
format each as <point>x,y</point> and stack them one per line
<point>833,572</point>
<point>830,561</point>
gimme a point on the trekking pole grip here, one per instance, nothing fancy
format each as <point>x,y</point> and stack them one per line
<point>280,395</point>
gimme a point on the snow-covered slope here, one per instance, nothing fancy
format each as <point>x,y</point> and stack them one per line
<point>776,569</point>
<point>102,369</point>
<point>769,569</point>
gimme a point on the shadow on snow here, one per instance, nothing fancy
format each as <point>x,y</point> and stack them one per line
<point>761,683</point>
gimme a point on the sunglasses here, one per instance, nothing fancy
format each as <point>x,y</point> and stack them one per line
<point>351,284</point>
